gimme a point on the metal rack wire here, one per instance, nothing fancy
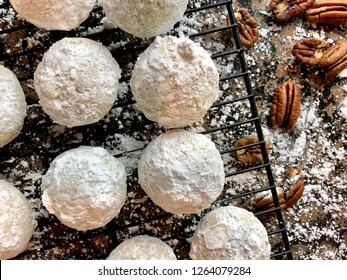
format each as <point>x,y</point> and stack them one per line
<point>18,53</point>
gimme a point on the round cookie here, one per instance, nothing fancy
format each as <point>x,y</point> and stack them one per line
<point>77,81</point>
<point>230,233</point>
<point>85,187</point>
<point>17,223</point>
<point>142,247</point>
<point>144,18</point>
<point>12,106</point>
<point>174,82</point>
<point>54,14</point>
<point>182,172</point>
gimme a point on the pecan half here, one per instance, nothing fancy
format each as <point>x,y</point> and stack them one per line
<point>310,50</point>
<point>291,172</point>
<point>285,107</point>
<point>294,193</point>
<point>250,154</point>
<point>287,9</point>
<point>328,11</point>
<point>264,201</point>
<point>334,59</point>
<point>247,26</point>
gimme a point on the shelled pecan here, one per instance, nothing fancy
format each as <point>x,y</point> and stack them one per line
<point>294,193</point>
<point>292,172</point>
<point>264,201</point>
<point>284,10</point>
<point>310,50</point>
<point>250,154</point>
<point>334,59</point>
<point>247,26</point>
<point>328,11</point>
<point>285,107</point>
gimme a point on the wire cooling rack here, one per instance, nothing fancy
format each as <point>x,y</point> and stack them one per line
<point>125,132</point>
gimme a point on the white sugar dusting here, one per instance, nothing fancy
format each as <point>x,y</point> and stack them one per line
<point>317,224</point>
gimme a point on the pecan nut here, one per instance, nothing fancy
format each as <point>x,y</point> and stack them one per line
<point>328,11</point>
<point>251,154</point>
<point>285,107</point>
<point>294,193</point>
<point>334,59</point>
<point>264,201</point>
<point>287,9</point>
<point>310,50</point>
<point>247,26</point>
<point>292,172</point>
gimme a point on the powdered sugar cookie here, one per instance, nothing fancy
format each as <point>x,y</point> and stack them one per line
<point>54,14</point>
<point>230,233</point>
<point>142,247</point>
<point>182,172</point>
<point>174,82</point>
<point>84,187</point>
<point>145,18</point>
<point>12,106</point>
<point>17,223</point>
<point>77,81</point>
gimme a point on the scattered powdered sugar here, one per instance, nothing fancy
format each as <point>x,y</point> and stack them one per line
<point>301,33</point>
<point>319,160</point>
<point>127,149</point>
<point>316,224</point>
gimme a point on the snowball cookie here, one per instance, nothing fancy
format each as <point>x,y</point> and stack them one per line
<point>174,82</point>
<point>85,187</point>
<point>142,247</point>
<point>77,81</point>
<point>230,233</point>
<point>54,14</point>
<point>12,106</point>
<point>144,18</point>
<point>17,223</point>
<point>182,172</point>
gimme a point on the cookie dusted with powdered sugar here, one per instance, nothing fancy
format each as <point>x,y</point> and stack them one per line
<point>77,81</point>
<point>85,187</point>
<point>17,223</point>
<point>174,82</point>
<point>182,172</point>
<point>142,247</point>
<point>230,233</point>
<point>54,14</point>
<point>144,18</point>
<point>12,106</point>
